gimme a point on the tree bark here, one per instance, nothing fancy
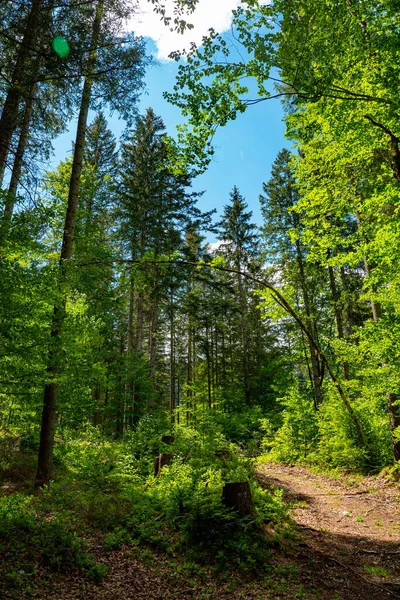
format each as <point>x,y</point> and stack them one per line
<point>338,317</point>
<point>139,323</point>
<point>189,380</point>
<point>18,160</point>
<point>129,386</point>
<point>244,335</point>
<point>172,363</point>
<point>49,415</point>
<point>9,115</point>
<point>208,368</point>
<point>152,339</point>
<point>315,366</point>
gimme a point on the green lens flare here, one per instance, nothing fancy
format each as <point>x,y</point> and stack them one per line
<point>60,46</point>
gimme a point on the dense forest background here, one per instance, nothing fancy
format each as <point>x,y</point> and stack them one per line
<point>120,322</point>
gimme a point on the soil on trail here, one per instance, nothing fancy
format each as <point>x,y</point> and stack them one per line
<point>350,548</point>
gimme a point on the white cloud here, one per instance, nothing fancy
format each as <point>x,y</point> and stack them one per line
<point>209,13</point>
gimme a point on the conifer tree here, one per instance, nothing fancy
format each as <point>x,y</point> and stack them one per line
<point>284,248</point>
<point>239,239</point>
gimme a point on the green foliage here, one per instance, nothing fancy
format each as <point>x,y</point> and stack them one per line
<point>327,437</point>
<point>297,435</point>
<point>32,538</point>
<point>109,486</point>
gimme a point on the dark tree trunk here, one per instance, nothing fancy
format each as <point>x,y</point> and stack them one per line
<point>315,366</point>
<point>243,327</point>
<point>45,462</point>
<point>172,363</point>
<point>208,368</point>
<point>18,160</point>
<point>139,323</point>
<point>9,115</point>
<point>152,339</point>
<point>189,382</point>
<point>96,415</point>
<point>129,386</point>
<point>338,316</point>
<point>237,496</point>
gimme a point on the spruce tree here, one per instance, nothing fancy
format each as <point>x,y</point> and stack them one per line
<point>239,239</point>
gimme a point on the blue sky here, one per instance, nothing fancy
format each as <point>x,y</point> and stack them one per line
<point>244,149</point>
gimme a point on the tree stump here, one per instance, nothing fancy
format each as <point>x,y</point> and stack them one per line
<point>161,461</point>
<point>168,439</point>
<point>237,496</point>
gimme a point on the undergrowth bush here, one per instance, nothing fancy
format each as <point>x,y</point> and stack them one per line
<point>112,487</point>
<point>108,487</point>
<point>31,538</point>
<point>328,437</point>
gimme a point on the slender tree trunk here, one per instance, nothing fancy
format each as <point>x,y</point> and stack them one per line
<point>121,396</point>
<point>139,323</point>
<point>129,386</point>
<point>216,362</point>
<point>49,415</point>
<point>244,332</point>
<point>96,397</point>
<point>152,339</point>
<point>189,390</point>
<point>338,316</point>
<point>347,307</point>
<point>193,404</point>
<point>172,362</point>
<point>315,366</point>
<point>18,160</point>
<point>208,367</point>
<point>9,115</point>
<point>223,374</point>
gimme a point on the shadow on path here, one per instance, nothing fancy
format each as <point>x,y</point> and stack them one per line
<point>350,534</point>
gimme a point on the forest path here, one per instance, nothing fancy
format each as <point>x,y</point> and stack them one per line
<point>350,532</point>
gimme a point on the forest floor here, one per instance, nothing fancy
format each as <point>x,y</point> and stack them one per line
<point>350,546</point>
<point>349,549</point>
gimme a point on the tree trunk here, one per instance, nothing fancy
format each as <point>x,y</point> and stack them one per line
<point>347,307</point>
<point>45,462</point>
<point>9,115</point>
<point>189,382</point>
<point>152,339</point>
<point>18,160</point>
<point>96,397</point>
<point>243,327</point>
<point>208,368</point>
<point>338,316</point>
<point>172,363</point>
<point>315,366</point>
<point>129,386</point>
<point>139,323</point>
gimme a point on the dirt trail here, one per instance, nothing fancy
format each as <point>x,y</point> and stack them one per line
<point>350,546</point>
